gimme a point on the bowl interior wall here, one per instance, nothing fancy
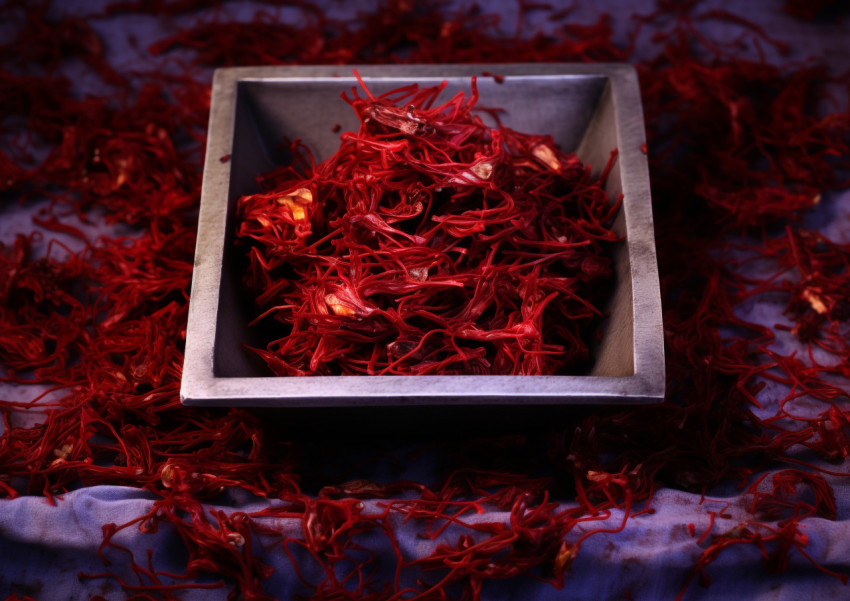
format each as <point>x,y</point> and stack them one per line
<point>577,110</point>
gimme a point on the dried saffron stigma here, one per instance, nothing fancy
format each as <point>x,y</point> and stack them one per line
<point>430,243</point>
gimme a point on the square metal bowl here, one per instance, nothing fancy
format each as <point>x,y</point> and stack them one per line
<point>589,109</point>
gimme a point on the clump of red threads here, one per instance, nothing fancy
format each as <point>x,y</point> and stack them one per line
<point>432,243</point>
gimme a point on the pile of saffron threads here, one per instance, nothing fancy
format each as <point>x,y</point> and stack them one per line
<point>744,144</point>
<point>430,243</point>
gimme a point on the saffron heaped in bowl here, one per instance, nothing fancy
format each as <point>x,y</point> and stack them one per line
<point>589,110</point>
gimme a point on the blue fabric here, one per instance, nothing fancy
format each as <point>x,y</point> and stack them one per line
<point>44,547</point>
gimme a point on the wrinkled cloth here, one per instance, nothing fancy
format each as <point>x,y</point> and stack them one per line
<point>43,549</point>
